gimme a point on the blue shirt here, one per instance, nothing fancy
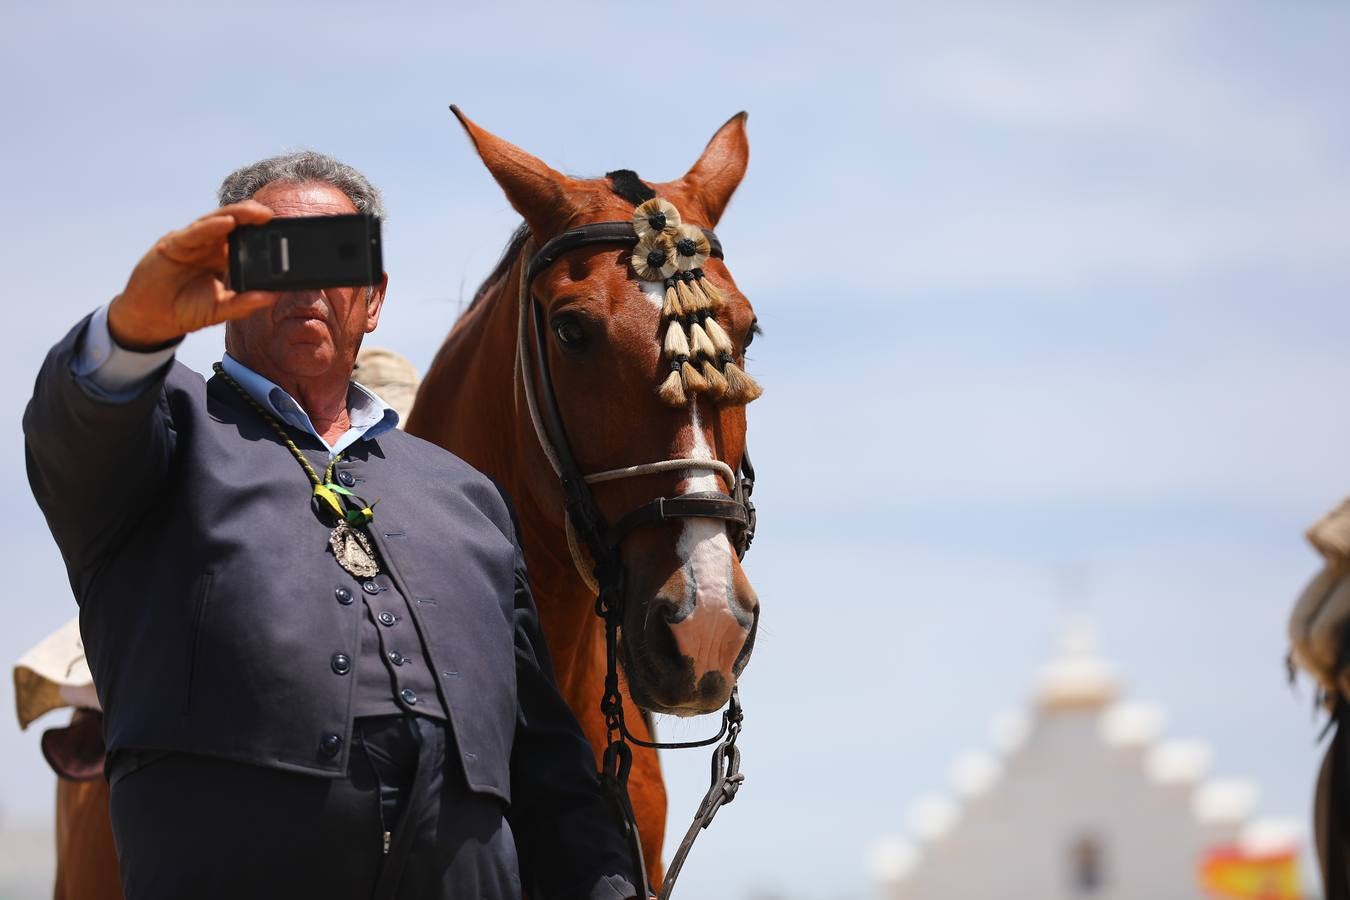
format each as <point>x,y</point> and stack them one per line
<point>115,374</point>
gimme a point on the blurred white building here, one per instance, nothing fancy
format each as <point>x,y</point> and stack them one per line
<point>1082,799</point>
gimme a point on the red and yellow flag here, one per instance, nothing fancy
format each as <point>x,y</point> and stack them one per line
<point>1228,872</point>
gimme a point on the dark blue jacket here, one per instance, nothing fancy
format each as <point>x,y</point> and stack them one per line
<point>211,605</point>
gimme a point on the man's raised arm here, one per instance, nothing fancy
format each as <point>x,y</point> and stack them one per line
<point>98,437</point>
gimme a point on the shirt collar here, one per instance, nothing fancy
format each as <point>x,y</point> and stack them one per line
<point>370,416</point>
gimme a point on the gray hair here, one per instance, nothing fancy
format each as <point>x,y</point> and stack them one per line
<point>297,168</point>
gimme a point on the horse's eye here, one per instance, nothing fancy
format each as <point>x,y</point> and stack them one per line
<point>754,330</point>
<point>571,333</point>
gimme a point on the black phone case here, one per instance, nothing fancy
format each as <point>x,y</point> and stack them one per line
<point>304,253</point>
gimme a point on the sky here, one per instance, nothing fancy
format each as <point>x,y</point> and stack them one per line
<point>1054,327</point>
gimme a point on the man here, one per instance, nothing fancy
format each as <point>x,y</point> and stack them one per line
<point>300,700</point>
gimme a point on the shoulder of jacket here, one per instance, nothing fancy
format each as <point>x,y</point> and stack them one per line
<point>184,380</point>
<point>426,453</point>
<point>479,487</point>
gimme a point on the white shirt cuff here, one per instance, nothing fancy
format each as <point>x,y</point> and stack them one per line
<point>110,367</point>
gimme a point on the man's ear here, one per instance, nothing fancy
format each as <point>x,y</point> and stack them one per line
<point>375,302</point>
<point>540,194</point>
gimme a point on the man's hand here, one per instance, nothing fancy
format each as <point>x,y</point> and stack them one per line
<point>179,286</point>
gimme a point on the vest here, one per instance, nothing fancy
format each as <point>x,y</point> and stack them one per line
<point>214,617</point>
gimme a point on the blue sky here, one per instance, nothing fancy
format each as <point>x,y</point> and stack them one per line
<point>1053,301</point>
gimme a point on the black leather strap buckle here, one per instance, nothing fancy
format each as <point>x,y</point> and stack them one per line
<point>700,505</point>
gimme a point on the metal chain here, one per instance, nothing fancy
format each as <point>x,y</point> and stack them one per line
<point>618,757</point>
<point>726,781</point>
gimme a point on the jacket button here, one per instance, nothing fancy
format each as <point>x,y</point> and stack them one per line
<point>343,595</point>
<point>342,663</point>
<point>397,658</point>
<point>387,619</point>
<point>346,479</point>
<point>370,587</point>
<point>409,696</point>
<point>330,745</point>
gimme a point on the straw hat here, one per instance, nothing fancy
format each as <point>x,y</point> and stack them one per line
<point>389,375</point>
<point>53,675</point>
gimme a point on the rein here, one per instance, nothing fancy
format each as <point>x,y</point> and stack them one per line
<point>582,519</point>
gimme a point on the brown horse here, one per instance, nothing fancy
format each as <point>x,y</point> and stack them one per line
<point>691,614</point>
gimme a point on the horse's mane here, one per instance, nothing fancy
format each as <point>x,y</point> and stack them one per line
<point>508,259</point>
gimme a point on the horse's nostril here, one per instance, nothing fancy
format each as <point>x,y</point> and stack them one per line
<point>672,612</point>
<point>712,685</point>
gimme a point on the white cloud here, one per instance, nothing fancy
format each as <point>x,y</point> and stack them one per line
<point>1066,144</point>
<point>1222,169</point>
<point>1137,73</point>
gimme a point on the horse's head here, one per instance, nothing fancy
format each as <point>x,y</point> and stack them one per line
<point>647,364</point>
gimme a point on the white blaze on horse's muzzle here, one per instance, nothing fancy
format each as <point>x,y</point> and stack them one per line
<point>717,610</point>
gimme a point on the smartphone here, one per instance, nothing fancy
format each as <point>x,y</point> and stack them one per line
<point>307,252</point>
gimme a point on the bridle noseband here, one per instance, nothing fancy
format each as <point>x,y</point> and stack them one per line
<point>582,518</point>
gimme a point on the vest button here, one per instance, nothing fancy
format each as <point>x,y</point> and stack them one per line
<point>346,479</point>
<point>409,696</point>
<point>370,587</point>
<point>343,595</point>
<point>342,663</point>
<point>387,619</point>
<point>397,658</point>
<point>330,745</point>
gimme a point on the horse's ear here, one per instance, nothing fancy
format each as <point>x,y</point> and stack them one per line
<point>537,192</point>
<point>718,172</point>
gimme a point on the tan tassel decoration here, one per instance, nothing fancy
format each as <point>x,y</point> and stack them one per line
<point>672,389</point>
<point>698,348</point>
<point>717,385</point>
<point>700,344</point>
<point>673,308</point>
<point>691,247</point>
<point>715,299</point>
<point>688,301</point>
<point>718,337</point>
<point>695,286</point>
<point>741,388</point>
<point>656,217</point>
<point>676,345</point>
<point>693,381</point>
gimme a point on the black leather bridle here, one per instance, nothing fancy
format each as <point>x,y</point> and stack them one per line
<point>603,539</point>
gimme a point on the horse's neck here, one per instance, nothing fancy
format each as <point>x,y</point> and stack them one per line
<point>465,401</point>
<point>566,612</point>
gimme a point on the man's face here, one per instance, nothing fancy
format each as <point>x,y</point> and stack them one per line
<point>312,332</point>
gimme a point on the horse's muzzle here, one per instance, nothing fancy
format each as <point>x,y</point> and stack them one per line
<point>684,662</point>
